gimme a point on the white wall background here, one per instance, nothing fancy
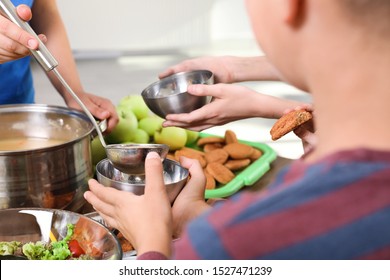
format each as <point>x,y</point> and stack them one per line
<point>229,21</point>
<point>152,25</point>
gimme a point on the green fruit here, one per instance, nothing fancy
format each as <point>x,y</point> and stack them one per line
<point>151,124</point>
<point>141,137</point>
<point>174,137</point>
<point>192,136</point>
<point>125,129</point>
<point>136,104</point>
<point>97,150</point>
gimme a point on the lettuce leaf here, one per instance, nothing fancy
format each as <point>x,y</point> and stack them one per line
<point>9,248</point>
<point>58,250</point>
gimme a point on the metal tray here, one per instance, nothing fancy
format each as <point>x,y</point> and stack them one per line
<point>247,176</point>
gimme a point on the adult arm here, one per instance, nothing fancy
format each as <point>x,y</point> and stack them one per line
<point>47,20</point>
<point>229,69</point>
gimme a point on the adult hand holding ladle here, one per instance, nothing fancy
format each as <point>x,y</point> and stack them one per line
<point>128,158</point>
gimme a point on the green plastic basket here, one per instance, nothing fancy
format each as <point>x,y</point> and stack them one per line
<point>247,176</point>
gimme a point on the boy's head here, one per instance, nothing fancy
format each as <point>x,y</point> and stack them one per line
<point>300,36</point>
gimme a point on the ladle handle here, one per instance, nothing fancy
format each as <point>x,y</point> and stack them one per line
<point>42,54</point>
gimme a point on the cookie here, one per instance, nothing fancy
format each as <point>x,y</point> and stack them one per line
<point>256,155</point>
<point>212,146</point>
<point>210,181</point>
<point>220,173</point>
<point>289,122</point>
<point>211,139</point>
<point>230,137</point>
<point>237,164</point>
<point>218,155</point>
<point>239,150</point>
<point>191,154</point>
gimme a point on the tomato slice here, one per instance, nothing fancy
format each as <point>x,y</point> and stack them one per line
<point>75,248</point>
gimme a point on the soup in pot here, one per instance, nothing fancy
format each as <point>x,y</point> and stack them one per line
<point>27,143</point>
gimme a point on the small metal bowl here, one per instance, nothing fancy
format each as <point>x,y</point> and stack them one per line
<point>175,177</point>
<point>170,96</point>
<point>41,224</point>
<point>130,158</point>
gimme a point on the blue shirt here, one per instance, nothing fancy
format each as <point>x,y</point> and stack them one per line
<point>16,83</point>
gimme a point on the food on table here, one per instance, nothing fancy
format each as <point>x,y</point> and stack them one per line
<point>220,173</point>
<point>289,122</point>
<point>125,244</point>
<point>67,248</point>
<point>220,157</point>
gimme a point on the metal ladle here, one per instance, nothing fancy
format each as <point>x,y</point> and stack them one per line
<point>128,158</point>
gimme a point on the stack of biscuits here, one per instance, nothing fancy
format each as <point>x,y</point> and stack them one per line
<point>220,157</point>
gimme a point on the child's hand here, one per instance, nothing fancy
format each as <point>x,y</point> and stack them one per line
<point>145,220</point>
<point>306,131</point>
<point>190,203</point>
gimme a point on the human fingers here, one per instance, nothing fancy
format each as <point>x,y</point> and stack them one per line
<point>99,194</point>
<point>308,107</point>
<point>195,127</point>
<point>17,34</point>
<point>306,133</point>
<point>106,110</point>
<point>100,107</point>
<point>166,73</point>
<point>190,202</point>
<point>43,38</point>
<point>24,12</point>
<point>196,116</point>
<point>154,180</point>
<point>186,65</point>
<point>198,179</point>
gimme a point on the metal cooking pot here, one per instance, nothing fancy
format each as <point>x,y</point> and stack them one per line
<point>51,177</point>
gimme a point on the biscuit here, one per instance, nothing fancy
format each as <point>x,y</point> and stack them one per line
<point>230,137</point>
<point>191,154</point>
<point>289,122</point>
<point>237,164</point>
<point>217,155</point>
<point>193,151</point>
<point>211,139</point>
<point>220,173</point>
<point>212,146</point>
<point>210,181</point>
<point>239,150</point>
<point>256,154</point>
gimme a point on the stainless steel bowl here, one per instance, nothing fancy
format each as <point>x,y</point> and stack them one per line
<point>131,254</point>
<point>175,177</point>
<point>37,224</point>
<point>170,96</point>
<point>130,158</point>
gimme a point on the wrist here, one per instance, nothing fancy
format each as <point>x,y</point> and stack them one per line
<point>155,242</point>
<point>181,220</point>
<point>256,68</point>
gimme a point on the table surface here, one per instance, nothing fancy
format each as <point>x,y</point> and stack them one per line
<point>278,164</point>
